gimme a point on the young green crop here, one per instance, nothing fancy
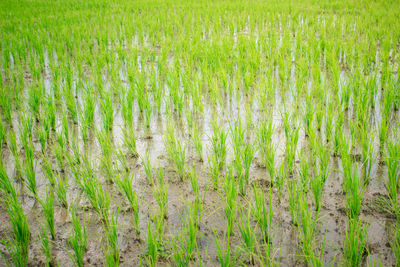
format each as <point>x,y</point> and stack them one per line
<point>45,245</point>
<point>129,140</point>
<point>12,144</point>
<point>112,244</point>
<point>160,192</point>
<point>48,210</point>
<point>197,202</point>
<point>77,239</point>
<point>184,245</point>
<point>230,199</point>
<point>354,188</point>
<point>293,197</point>
<point>125,185</point>
<point>248,156</point>
<point>248,234</point>
<point>262,214</point>
<point>280,178</point>
<point>61,187</point>
<point>30,171</point>
<point>392,160</point>
<point>355,243</point>
<point>176,151</point>
<point>18,245</point>
<point>148,168</point>
<point>218,144</point>
<point>307,229</point>
<point>196,141</point>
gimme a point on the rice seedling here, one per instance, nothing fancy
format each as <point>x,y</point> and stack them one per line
<point>196,141</point>
<point>293,197</point>
<point>12,144</point>
<point>107,111</point>
<point>355,243</point>
<point>243,179</point>
<point>46,245</point>
<point>265,145</point>
<point>248,241</point>
<point>48,211</point>
<point>307,229</point>
<point>262,213</point>
<point>184,245</point>
<point>129,140</point>
<point>112,245</point>
<point>280,178</point>
<point>148,168</point>
<point>125,185</point>
<point>291,147</point>
<point>304,171</point>
<point>230,201</point>
<point>323,160</point>
<point>224,254</point>
<point>6,186</point>
<point>317,187</point>
<point>77,239</point>
<point>18,244</point>
<point>218,144</point>
<point>59,153</point>
<point>176,152</point>
<point>61,187</point>
<point>160,192</point>
<point>392,156</point>
<point>197,202</point>
<point>395,244</point>
<point>269,259</point>
<point>354,188</point>
<point>152,246</point>
<point>30,172</point>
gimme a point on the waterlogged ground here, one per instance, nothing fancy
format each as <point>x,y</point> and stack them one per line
<point>248,107</point>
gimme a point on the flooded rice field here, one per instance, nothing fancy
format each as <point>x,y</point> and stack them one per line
<point>180,133</point>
